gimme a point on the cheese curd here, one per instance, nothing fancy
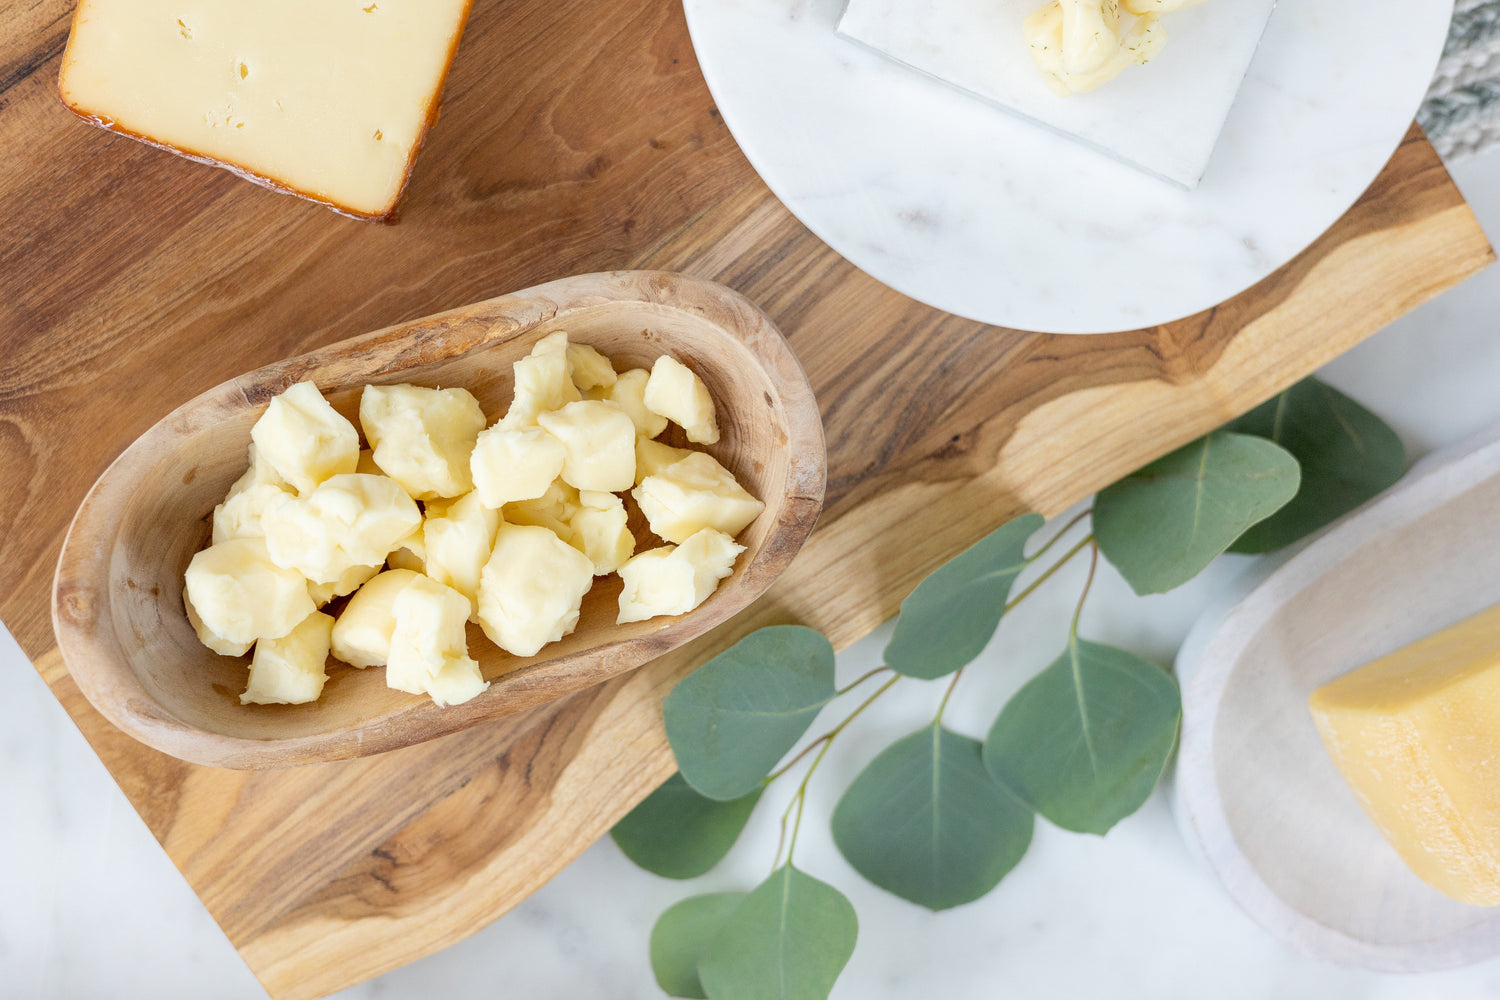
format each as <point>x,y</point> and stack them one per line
<point>675,579</point>
<point>505,526</point>
<point>348,582</point>
<point>629,394</point>
<point>422,438</point>
<point>427,637</point>
<point>515,463</point>
<point>1079,45</point>
<point>290,670</point>
<point>531,589</point>
<point>653,456</point>
<point>601,532</point>
<point>675,392</point>
<point>553,510</point>
<point>693,494</point>
<point>362,634</point>
<point>598,440</point>
<point>240,595</point>
<point>350,520</point>
<point>239,516</point>
<point>458,544</point>
<point>304,439</point>
<point>589,368</point>
<point>543,382</point>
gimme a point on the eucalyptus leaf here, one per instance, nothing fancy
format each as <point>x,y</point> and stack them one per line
<point>682,934</point>
<point>952,615</point>
<point>1347,454</point>
<point>1161,525</point>
<point>788,940</point>
<point>733,718</point>
<point>676,832</point>
<point>927,822</point>
<point>1087,739</point>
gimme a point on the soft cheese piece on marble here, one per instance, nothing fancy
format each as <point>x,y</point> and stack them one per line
<point>1163,118</point>
<point>329,100</point>
<point>1416,735</point>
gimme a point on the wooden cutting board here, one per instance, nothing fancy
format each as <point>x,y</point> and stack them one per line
<point>576,136</point>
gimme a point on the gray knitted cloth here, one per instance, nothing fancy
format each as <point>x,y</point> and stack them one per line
<point>1462,111</point>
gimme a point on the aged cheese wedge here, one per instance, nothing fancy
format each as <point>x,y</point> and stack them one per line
<point>1417,736</point>
<point>327,100</point>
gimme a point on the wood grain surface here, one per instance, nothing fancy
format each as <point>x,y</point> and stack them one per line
<point>576,136</point>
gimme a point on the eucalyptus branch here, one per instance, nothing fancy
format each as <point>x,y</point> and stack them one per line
<point>948,694</point>
<point>825,741</point>
<point>1060,533</point>
<point>859,680</point>
<point>1087,586</point>
<point>1047,575</point>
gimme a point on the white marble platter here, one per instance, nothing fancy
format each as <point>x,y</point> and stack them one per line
<point>1164,117</point>
<point>1255,790</point>
<point>981,213</point>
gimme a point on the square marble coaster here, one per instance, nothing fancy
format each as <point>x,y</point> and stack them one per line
<point>1163,117</point>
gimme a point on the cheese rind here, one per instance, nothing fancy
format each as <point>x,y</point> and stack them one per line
<point>328,100</point>
<point>1416,734</point>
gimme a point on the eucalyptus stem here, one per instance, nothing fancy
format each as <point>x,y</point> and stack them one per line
<point>859,680</point>
<point>1058,537</point>
<point>825,741</point>
<point>1047,575</point>
<point>948,694</point>
<point>1087,586</point>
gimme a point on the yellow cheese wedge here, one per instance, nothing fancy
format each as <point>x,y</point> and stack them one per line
<point>327,100</point>
<point>1417,736</point>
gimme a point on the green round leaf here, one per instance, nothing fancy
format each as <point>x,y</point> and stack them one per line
<point>927,822</point>
<point>788,940</point>
<point>733,718</point>
<point>1162,524</point>
<point>951,616</point>
<point>677,833</point>
<point>1347,454</point>
<point>1087,739</point>
<point>682,934</point>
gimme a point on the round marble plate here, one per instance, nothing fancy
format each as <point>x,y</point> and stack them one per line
<point>974,211</point>
<point>1256,792</point>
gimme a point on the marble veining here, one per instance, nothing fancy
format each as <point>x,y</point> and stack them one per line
<point>1023,227</point>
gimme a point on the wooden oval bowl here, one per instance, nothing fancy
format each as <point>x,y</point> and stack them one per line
<point>1255,789</point>
<point>117,599</point>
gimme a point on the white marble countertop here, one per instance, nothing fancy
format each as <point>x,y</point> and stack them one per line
<point>91,907</point>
